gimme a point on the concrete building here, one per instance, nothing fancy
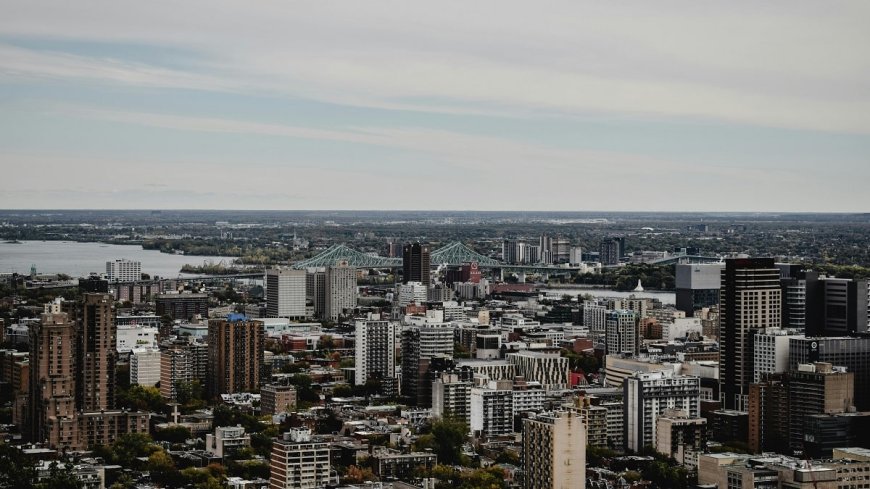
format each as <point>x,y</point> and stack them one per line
<point>648,395</point>
<point>750,301</point>
<point>492,409</point>
<point>51,402</point>
<point>681,437</point>
<point>375,350</point>
<point>145,366</point>
<point>130,337</point>
<point>451,396</point>
<point>96,356</point>
<point>227,440</point>
<point>554,451</point>
<point>697,286</point>
<point>621,333</point>
<point>300,461</point>
<point>412,293</point>
<point>817,388</point>
<point>681,328</point>
<point>595,317</point>
<point>276,399</point>
<point>419,345</point>
<point>315,291</point>
<point>549,369</point>
<point>122,270</point>
<point>182,306</point>
<point>770,351</point>
<point>850,352</point>
<point>341,291</point>
<point>235,355</point>
<point>285,293</point>
<point>390,464</point>
<point>182,361</point>
<point>610,251</point>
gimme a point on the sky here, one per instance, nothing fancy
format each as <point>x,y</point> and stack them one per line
<point>484,105</point>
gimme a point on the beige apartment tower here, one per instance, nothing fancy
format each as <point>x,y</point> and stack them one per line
<point>554,451</point>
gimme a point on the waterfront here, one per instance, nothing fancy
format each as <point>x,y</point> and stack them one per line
<point>665,297</point>
<point>80,259</point>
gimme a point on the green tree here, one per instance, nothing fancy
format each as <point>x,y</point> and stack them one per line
<point>173,434</point>
<point>448,435</point>
<point>15,470</point>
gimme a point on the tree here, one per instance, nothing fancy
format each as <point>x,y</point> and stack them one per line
<point>15,470</point>
<point>448,436</point>
<point>60,477</point>
<point>142,398</point>
<point>173,434</point>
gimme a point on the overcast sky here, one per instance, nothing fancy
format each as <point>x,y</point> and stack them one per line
<point>723,106</point>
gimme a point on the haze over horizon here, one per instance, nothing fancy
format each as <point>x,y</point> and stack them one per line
<point>665,106</point>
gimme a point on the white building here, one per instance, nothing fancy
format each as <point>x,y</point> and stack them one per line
<point>145,366</point>
<point>548,369</point>
<point>528,397</point>
<point>770,351</point>
<point>648,395</point>
<point>341,291</point>
<point>375,345</point>
<point>285,293</point>
<point>300,462</point>
<point>226,440</point>
<point>412,292</point>
<point>451,397</point>
<point>492,409</point>
<point>621,332</point>
<point>122,270</point>
<point>130,337</point>
<point>594,317</point>
<point>680,327</point>
<point>575,255</point>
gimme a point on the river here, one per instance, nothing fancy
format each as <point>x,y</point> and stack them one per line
<point>80,259</point>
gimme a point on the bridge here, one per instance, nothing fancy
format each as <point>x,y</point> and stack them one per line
<point>454,253</point>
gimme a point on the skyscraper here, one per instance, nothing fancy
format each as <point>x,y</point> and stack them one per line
<point>123,270</point>
<point>697,286</point>
<point>341,292</point>
<point>621,332</point>
<point>419,345</point>
<point>52,381</point>
<point>750,300</point>
<point>416,266</point>
<point>96,354</point>
<point>235,355</point>
<point>554,451</point>
<point>285,293</point>
<point>647,395</point>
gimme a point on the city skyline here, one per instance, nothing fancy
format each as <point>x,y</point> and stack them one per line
<point>713,108</point>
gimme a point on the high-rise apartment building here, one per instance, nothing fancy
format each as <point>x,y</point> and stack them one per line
<point>750,301</point>
<point>412,293</point>
<point>681,437</point>
<point>621,332</point>
<point>52,381</point>
<point>451,396</point>
<point>770,351</point>
<point>181,306</point>
<point>285,293</point>
<point>276,399</point>
<point>647,395</point>
<point>595,317</point>
<point>182,362</point>
<point>492,409</point>
<point>145,366</point>
<point>375,355</point>
<point>96,354</point>
<point>416,266</point>
<point>299,461</point>
<point>608,252</point>
<point>123,270</point>
<point>419,345</point>
<point>554,451</point>
<point>315,291</point>
<point>235,355</point>
<point>341,291</point>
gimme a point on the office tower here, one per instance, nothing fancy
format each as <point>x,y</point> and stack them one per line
<point>145,366</point>
<point>235,355</point>
<point>51,402</point>
<point>750,301</point>
<point>595,419</point>
<point>801,298</point>
<point>549,369</point>
<point>315,291</point>
<point>375,351</point>
<point>621,332</point>
<point>845,309</point>
<point>451,396</point>
<point>647,395</point>
<point>817,388</point>
<point>595,317</point>
<point>96,355</point>
<point>770,351</point>
<point>554,451</point>
<point>492,409</point>
<point>609,252</point>
<point>560,250</point>
<point>419,345</point>
<point>276,399</point>
<point>285,293</point>
<point>852,353</point>
<point>681,437</point>
<point>341,292</point>
<point>182,362</point>
<point>697,286</point>
<point>416,263</point>
<point>299,461</point>
<point>182,307</point>
<point>513,251</point>
<point>123,270</point>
